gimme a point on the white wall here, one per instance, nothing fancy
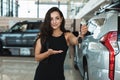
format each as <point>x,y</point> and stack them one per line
<point>28,9</point>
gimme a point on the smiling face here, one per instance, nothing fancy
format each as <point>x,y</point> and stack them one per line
<point>56,20</point>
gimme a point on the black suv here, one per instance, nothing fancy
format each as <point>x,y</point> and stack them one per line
<point>20,35</point>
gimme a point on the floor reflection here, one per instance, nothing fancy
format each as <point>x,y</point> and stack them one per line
<point>22,68</point>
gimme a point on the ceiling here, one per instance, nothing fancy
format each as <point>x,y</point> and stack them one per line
<point>62,1</point>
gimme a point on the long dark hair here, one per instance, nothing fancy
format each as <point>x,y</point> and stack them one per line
<point>46,29</point>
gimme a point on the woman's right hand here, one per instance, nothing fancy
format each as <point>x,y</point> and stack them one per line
<point>51,51</point>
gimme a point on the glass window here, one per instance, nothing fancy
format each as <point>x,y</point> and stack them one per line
<point>94,25</point>
<point>18,8</point>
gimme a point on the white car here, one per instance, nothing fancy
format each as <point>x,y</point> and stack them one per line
<point>98,56</point>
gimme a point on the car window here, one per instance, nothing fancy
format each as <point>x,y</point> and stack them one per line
<point>33,26</point>
<point>94,25</point>
<point>15,28</point>
<point>100,22</point>
<point>23,27</point>
<point>91,26</point>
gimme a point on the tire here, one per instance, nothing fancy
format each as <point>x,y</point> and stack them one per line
<point>86,77</point>
<point>1,48</point>
<point>75,59</point>
<point>75,65</point>
<point>75,62</point>
<point>6,52</point>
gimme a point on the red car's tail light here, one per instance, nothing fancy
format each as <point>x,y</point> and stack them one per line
<point>110,42</point>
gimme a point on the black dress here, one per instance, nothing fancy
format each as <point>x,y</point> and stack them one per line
<point>52,68</point>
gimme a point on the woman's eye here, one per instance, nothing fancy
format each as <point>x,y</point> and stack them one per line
<point>57,18</point>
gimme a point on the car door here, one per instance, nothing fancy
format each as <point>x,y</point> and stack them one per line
<point>13,36</point>
<point>29,35</point>
<point>28,38</point>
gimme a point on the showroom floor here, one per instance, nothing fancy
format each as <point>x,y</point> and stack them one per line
<point>22,68</point>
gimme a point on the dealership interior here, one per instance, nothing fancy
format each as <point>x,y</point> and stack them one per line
<point>20,64</point>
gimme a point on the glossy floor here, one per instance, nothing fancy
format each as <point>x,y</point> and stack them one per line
<point>22,68</point>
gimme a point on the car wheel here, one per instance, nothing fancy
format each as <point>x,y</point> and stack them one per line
<point>6,52</point>
<point>85,77</point>
<point>1,48</point>
<point>75,65</point>
<point>75,59</point>
<point>75,62</point>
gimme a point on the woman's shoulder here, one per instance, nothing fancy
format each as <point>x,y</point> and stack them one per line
<point>67,34</point>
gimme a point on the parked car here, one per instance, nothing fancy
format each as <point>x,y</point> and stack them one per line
<point>98,56</point>
<point>20,35</point>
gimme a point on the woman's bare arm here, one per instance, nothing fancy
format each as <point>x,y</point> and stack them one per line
<point>40,56</point>
<point>73,40</point>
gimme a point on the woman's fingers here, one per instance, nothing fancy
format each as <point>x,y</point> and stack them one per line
<point>84,29</point>
<point>57,51</point>
<point>51,51</point>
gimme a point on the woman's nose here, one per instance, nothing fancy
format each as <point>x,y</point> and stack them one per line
<point>54,21</point>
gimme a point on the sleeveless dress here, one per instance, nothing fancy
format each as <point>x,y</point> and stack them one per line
<point>52,68</point>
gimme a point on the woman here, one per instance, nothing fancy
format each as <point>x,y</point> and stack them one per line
<point>51,46</point>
